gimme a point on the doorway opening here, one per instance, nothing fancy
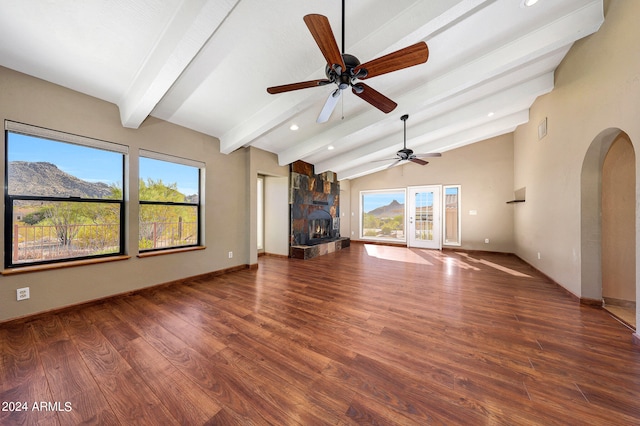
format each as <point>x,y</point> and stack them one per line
<point>608,223</point>
<point>618,230</point>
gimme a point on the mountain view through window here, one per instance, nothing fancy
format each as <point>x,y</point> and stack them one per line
<point>383,215</point>
<point>66,200</point>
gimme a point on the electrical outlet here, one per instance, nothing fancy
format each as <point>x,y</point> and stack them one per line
<point>538,255</point>
<point>486,241</point>
<point>230,255</point>
<point>22,293</point>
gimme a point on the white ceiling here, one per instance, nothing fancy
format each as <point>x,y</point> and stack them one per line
<point>206,64</point>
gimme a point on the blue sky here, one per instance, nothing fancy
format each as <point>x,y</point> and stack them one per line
<point>96,165</point>
<point>186,177</point>
<point>373,200</point>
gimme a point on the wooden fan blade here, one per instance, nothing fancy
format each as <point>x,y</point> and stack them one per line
<point>404,58</point>
<point>323,35</point>
<point>375,98</point>
<point>418,161</point>
<point>297,86</point>
<point>329,106</point>
<point>431,154</point>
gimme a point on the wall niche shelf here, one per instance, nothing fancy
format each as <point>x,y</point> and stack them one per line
<point>519,196</point>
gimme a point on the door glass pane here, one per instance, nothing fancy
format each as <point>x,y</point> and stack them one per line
<point>424,216</point>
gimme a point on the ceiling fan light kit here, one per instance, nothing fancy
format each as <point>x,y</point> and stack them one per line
<point>345,70</point>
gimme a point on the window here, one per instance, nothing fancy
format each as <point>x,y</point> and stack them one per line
<point>452,212</point>
<point>382,215</point>
<point>64,196</point>
<point>169,195</point>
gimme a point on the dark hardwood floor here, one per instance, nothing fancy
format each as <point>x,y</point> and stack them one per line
<point>369,334</point>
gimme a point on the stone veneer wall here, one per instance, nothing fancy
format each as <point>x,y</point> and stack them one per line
<point>310,192</point>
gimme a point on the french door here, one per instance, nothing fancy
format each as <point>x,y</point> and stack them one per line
<point>424,211</point>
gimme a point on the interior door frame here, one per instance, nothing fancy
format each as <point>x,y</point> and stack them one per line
<point>436,242</point>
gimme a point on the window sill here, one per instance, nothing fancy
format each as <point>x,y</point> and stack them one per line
<point>61,265</point>
<point>170,251</point>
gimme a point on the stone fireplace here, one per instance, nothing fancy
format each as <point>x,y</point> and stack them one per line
<point>315,211</point>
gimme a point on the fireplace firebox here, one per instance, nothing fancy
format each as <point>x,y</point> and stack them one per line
<point>320,227</point>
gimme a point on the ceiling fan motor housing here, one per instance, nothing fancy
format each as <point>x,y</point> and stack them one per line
<point>344,78</point>
<point>405,153</point>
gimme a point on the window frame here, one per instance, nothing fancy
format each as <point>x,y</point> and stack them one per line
<point>200,166</point>
<point>445,242</point>
<point>361,215</point>
<point>56,136</point>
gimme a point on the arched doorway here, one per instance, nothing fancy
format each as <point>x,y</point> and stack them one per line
<point>608,189</point>
<point>618,229</point>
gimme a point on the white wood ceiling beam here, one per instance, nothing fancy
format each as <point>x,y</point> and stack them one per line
<point>191,27</point>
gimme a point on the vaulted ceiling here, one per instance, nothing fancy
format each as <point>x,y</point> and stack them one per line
<point>206,64</point>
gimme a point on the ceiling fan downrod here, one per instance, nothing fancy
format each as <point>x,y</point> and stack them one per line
<point>343,50</point>
<point>404,119</point>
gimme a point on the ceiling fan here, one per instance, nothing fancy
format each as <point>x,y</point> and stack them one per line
<point>345,70</point>
<point>406,154</point>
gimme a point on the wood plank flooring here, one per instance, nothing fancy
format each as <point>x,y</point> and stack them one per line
<point>366,335</point>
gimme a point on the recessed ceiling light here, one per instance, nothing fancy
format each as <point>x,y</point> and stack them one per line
<point>330,147</point>
<point>490,114</point>
<point>527,3</point>
<point>294,127</point>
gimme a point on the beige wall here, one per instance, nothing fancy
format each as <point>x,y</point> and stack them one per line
<point>485,171</point>
<point>597,88</point>
<point>345,209</point>
<point>32,101</point>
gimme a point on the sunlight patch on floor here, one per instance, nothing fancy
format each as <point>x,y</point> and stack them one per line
<point>495,266</point>
<point>423,257</point>
<point>450,262</point>
<point>397,254</point>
